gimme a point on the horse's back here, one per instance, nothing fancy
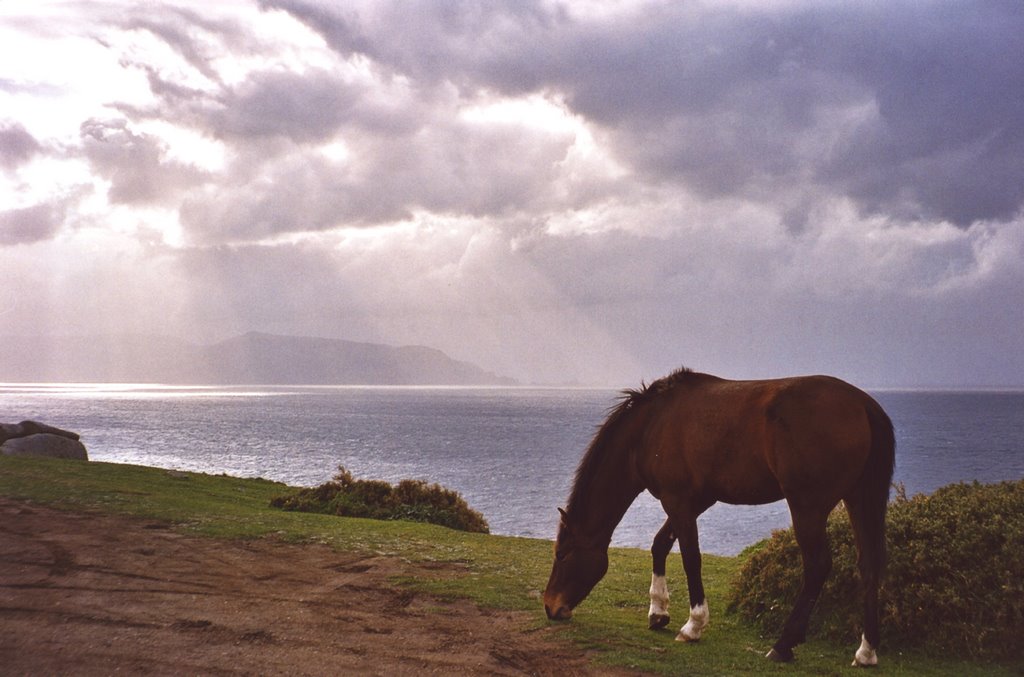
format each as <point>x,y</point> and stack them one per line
<point>757,441</point>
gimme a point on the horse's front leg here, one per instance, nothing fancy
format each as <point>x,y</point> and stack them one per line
<point>684,525</point>
<point>658,617</point>
<point>699,614</point>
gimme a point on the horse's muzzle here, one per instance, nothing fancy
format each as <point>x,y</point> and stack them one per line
<point>562,613</point>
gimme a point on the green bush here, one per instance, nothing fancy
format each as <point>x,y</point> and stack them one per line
<point>412,500</point>
<point>955,578</point>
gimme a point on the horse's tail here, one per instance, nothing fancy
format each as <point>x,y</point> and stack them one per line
<point>867,508</point>
<point>870,501</point>
<point>877,477</point>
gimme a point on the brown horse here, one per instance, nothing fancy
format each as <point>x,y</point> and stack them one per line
<point>693,439</point>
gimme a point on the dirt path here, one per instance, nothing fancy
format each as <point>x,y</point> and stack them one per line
<point>88,594</point>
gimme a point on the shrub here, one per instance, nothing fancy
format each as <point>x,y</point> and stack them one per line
<point>412,500</point>
<point>955,578</point>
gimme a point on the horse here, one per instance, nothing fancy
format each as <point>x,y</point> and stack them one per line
<point>693,439</point>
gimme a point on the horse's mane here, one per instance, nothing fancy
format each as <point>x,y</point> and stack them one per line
<point>630,401</point>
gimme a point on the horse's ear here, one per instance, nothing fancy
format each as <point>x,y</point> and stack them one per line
<point>565,517</point>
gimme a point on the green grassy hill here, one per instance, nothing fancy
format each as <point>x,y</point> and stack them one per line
<point>498,572</point>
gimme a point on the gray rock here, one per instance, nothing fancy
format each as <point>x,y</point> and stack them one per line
<point>10,431</point>
<point>45,444</point>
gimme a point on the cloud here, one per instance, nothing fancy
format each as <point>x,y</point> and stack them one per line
<point>946,140</point>
<point>303,107</point>
<point>184,30</point>
<point>400,154</point>
<point>134,163</point>
<point>908,112</point>
<point>911,109</point>
<point>30,224</point>
<point>431,42</point>
<point>17,146</point>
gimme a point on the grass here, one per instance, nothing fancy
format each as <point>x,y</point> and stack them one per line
<point>497,572</point>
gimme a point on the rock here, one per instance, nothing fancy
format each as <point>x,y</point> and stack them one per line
<point>9,431</point>
<point>45,444</point>
<point>30,438</point>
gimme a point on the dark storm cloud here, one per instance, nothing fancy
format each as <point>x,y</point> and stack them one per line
<point>749,100</point>
<point>947,79</point>
<point>911,109</point>
<point>737,103</point>
<point>30,224</point>
<point>16,145</point>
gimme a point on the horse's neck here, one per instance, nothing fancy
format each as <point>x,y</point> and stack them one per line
<point>605,515</point>
<point>611,490</point>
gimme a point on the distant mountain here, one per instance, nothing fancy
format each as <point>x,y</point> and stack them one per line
<point>252,358</point>
<point>270,359</point>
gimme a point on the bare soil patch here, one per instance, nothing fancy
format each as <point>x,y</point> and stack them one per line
<point>95,594</point>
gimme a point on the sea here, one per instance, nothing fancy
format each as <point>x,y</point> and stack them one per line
<point>510,452</point>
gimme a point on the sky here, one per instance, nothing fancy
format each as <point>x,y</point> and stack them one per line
<point>577,191</point>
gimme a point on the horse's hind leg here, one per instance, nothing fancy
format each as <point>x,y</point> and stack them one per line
<point>868,523</point>
<point>658,617</point>
<point>809,526</point>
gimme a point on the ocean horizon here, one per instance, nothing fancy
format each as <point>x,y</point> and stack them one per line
<point>510,451</point>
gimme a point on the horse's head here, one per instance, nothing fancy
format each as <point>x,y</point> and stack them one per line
<point>578,566</point>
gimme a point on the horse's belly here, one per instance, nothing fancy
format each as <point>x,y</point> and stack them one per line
<point>752,497</point>
<point>746,488</point>
<point>730,478</point>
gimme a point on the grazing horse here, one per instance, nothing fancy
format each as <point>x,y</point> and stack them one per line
<point>692,440</point>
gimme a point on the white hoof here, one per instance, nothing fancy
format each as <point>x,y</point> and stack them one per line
<point>865,656</point>
<point>659,597</point>
<point>699,618</point>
